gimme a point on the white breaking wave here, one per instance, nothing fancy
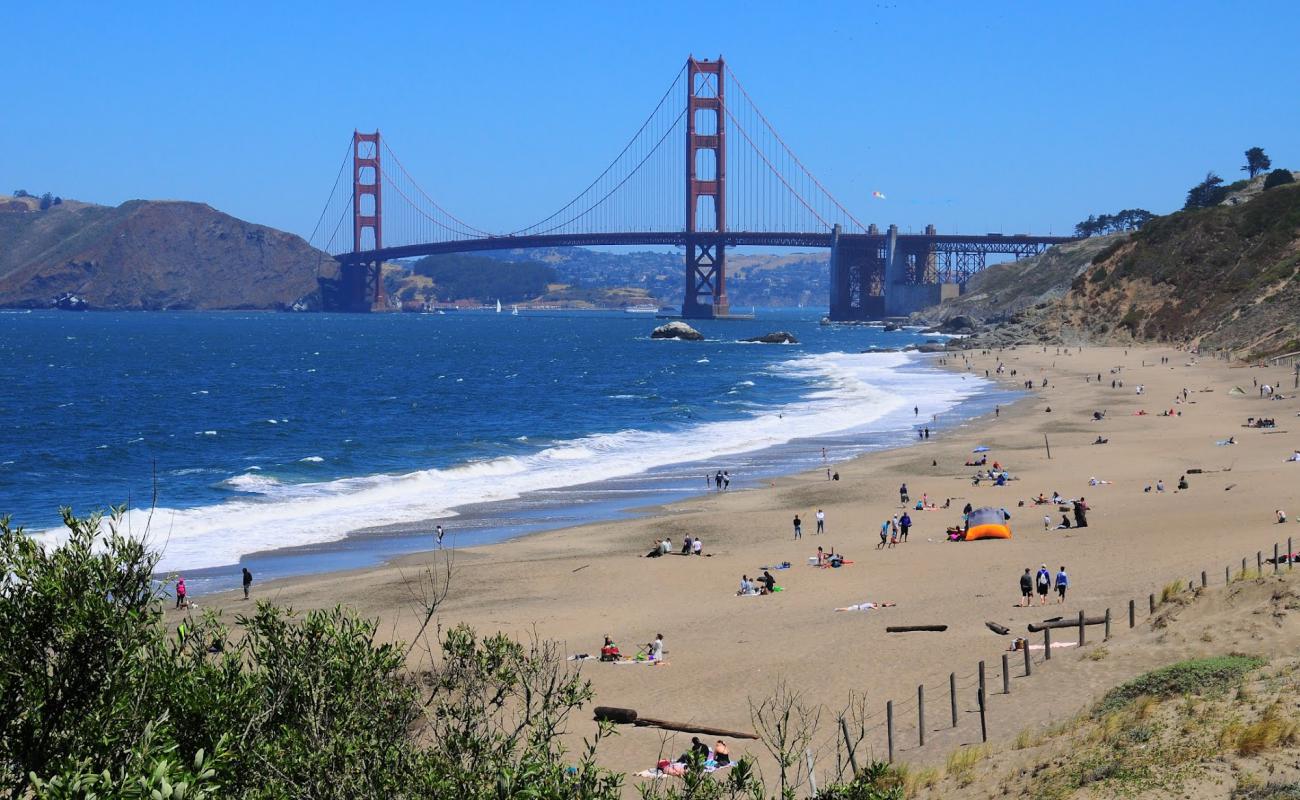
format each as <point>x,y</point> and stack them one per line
<point>849,391</point>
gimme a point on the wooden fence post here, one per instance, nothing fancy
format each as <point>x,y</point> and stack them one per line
<point>1006,674</point>
<point>1290,562</point>
<point>1082,626</point>
<point>889,727</point>
<point>1243,569</point>
<point>1259,563</point>
<point>1106,638</point>
<point>984,726</point>
<point>981,676</point>
<point>952,693</point>
<point>1028,667</point>
<point>1227,575</point>
<point>1151,602</point>
<point>920,712</point>
<point>1047,643</point>
<point>848,745</point>
<point>1132,617</point>
<point>1204,580</point>
<point>1276,564</point>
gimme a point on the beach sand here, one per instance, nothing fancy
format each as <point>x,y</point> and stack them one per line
<point>576,585</point>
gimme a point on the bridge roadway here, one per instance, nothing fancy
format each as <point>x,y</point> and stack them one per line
<point>1017,244</point>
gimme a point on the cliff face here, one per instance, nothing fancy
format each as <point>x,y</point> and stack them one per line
<point>153,255</point>
<point>1222,277</point>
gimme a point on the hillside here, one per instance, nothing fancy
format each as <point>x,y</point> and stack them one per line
<point>1004,289</point>
<point>152,255</point>
<point>1220,278</point>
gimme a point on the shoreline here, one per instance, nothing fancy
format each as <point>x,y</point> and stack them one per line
<point>499,522</point>
<point>577,584</point>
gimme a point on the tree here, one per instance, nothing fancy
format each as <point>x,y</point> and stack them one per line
<point>21,193</point>
<point>47,200</point>
<point>1278,177</point>
<point>1256,161</point>
<point>1207,193</point>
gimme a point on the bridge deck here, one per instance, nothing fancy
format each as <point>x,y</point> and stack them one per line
<point>988,243</point>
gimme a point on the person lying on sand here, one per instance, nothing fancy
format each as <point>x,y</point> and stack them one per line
<point>867,606</point>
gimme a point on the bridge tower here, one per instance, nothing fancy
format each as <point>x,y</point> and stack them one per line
<point>362,279</point>
<point>706,180</point>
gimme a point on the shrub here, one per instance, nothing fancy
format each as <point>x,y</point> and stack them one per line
<point>1201,675</point>
<point>1278,177</point>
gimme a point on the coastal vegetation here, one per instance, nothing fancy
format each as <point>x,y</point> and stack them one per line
<point>460,276</point>
<point>105,696</point>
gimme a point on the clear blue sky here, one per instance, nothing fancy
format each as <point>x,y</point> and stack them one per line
<point>975,116</point>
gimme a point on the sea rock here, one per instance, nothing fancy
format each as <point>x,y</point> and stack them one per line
<point>958,324</point>
<point>926,347</point>
<point>676,330</point>
<point>890,327</point>
<point>776,337</point>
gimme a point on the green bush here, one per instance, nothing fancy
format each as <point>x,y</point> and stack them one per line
<point>103,699</point>
<point>1278,177</point>
<point>1197,676</point>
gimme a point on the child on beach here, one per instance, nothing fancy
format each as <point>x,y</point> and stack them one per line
<point>884,535</point>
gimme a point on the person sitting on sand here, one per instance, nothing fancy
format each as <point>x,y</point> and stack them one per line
<point>1040,500</point>
<point>1065,523</point>
<point>697,546</point>
<point>1281,515</point>
<point>821,557</point>
<point>1182,482</point>
<point>1101,440</point>
<point>609,650</point>
<point>868,606</point>
<point>721,755</point>
<point>768,582</point>
<point>1160,485</point>
<point>746,586</point>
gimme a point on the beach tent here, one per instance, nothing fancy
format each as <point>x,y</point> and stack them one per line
<point>987,523</point>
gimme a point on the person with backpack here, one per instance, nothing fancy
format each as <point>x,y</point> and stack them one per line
<point>1044,581</point>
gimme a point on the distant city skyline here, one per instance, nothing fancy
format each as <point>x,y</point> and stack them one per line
<point>997,117</point>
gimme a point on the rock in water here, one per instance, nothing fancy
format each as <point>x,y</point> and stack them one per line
<point>676,330</point>
<point>890,327</point>
<point>776,337</point>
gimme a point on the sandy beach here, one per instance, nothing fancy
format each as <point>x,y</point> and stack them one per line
<point>577,585</point>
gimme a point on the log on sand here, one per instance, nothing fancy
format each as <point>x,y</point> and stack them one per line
<point>911,628</point>
<point>628,716</point>
<point>1035,627</point>
<point>1000,630</point>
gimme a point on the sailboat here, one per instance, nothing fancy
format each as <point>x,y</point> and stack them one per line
<point>498,306</point>
<point>514,311</point>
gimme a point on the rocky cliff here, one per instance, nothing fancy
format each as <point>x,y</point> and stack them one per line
<point>152,255</point>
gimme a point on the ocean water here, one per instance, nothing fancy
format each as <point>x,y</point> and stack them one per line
<point>303,443</point>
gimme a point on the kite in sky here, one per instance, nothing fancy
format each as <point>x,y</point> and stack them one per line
<point>878,195</point>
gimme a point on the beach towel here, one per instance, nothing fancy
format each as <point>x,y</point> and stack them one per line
<point>645,662</point>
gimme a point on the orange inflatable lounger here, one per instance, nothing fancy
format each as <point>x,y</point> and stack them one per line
<point>988,523</point>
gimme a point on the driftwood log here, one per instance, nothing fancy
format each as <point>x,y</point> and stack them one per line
<point>1001,630</point>
<point>911,628</point>
<point>1035,627</point>
<point>628,716</point>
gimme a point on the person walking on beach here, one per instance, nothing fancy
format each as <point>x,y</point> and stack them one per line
<point>904,523</point>
<point>181,599</point>
<point>884,535</point>
<point>821,521</point>
<point>726,481</point>
<point>248,582</point>
<point>1044,584</point>
<point>1026,589</point>
<point>798,527</point>
<point>902,494</point>
<point>1062,583</point>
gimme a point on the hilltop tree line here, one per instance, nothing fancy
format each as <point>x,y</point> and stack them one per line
<point>1211,191</point>
<point>47,199</point>
<point>1130,219</point>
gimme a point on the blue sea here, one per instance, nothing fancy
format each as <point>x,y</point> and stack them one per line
<point>306,443</point>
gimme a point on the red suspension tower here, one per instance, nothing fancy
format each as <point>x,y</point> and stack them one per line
<point>706,178</point>
<point>363,279</point>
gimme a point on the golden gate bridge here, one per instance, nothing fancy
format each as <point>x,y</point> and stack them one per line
<point>706,171</point>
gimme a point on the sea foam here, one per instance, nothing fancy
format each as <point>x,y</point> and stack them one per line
<point>847,391</point>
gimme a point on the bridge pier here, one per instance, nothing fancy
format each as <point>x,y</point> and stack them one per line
<point>857,277</point>
<point>706,279</point>
<point>361,287</point>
